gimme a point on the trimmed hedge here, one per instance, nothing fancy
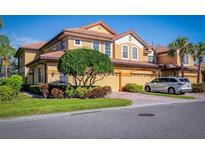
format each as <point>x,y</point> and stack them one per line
<point>15,82</point>
<point>198,87</point>
<point>6,93</point>
<point>132,87</point>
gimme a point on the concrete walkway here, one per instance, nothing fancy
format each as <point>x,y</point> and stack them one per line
<point>144,99</point>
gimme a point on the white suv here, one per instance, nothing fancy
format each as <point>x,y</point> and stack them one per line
<point>172,85</point>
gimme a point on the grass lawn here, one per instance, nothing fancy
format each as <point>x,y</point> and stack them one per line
<point>25,105</point>
<point>168,95</point>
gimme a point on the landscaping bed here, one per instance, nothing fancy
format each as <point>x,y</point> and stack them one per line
<point>25,105</point>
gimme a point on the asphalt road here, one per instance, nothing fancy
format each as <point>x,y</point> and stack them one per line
<point>168,121</point>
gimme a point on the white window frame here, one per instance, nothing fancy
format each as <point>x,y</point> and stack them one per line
<point>77,44</point>
<point>110,49</point>
<point>95,42</point>
<point>127,51</point>
<point>187,60</point>
<point>137,53</point>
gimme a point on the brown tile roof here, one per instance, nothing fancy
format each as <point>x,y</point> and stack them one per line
<point>52,55</point>
<point>161,49</point>
<point>36,45</point>
<point>89,34</point>
<point>120,62</point>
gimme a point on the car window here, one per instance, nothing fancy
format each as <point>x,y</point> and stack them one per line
<point>163,79</point>
<point>155,80</point>
<point>184,80</point>
<point>172,80</point>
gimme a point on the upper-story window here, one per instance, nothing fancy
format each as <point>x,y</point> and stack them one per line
<point>63,45</point>
<point>125,52</point>
<point>96,46</point>
<point>108,49</point>
<point>77,42</point>
<point>134,53</point>
<point>186,59</point>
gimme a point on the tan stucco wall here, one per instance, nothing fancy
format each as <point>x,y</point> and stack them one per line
<point>99,28</point>
<point>118,51</point>
<point>165,59</point>
<point>36,81</point>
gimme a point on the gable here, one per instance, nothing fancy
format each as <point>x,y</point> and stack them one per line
<point>100,28</point>
<point>129,39</point>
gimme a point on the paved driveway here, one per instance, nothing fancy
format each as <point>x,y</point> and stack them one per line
<point>143,99</point>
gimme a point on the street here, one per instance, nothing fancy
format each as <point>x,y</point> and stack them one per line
<point>182,120</point>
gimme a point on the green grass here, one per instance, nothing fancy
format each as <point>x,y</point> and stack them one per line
<point>25,106</point>
<point>168,95</point>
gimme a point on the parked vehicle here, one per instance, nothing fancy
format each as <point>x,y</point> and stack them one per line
<point>171,85</point>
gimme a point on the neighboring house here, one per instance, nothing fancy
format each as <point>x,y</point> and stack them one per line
<point>134,60</point>
<point>170,66</point>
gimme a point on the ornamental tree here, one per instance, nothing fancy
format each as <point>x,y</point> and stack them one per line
<point>86,66</point>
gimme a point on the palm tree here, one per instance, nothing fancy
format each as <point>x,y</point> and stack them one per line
<point>1,23</point>
<point>6,51</point>
<point>200,52</point>
<point>182,47</point>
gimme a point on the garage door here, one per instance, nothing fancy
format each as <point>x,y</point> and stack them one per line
<point>110,80</point>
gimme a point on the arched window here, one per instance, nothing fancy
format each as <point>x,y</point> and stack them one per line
<point>125,52</point>
<point>134,53</point>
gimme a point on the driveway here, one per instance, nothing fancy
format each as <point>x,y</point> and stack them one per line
<point>143,99</point>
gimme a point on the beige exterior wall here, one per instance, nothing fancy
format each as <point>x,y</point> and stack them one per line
<point>118,51</point>
<point>165,59</point>
<point>99,28</point>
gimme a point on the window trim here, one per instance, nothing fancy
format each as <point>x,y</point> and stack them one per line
<point>95,42</point>
<point>137,53</point>
<point>110,48</point>
<point>188,63</point>
<point>122,52</point>
<point>77,44</point>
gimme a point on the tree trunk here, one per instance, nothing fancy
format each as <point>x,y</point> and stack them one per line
<point>199,71</point>
<point>6,71</point>
<point>182,66</point>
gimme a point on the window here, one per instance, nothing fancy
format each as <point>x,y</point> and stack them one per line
<point>172,80</point>
<point>134,53</point>
<point>125,52</point>
<point>39,75</point>
<point>63,45</point>
<point>108,49</point>
<point>186,59</point>
<point>77,42</point>
<point>96,46</point>
<point>63,78</point>
<point>150,58</point>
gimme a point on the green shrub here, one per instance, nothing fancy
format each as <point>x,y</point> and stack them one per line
<point>81,92</point>
<point>34,89</point>
<point>57,93</point>
<point>15,82</point>
<point>70,92</point>
<point>6,93</point>
<point>132,87</point>
<point>198,87</point>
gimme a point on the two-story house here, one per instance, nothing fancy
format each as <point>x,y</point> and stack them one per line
<point>134,60</point>
<point>170,66</point>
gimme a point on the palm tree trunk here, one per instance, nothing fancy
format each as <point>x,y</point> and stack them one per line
<point>199,71</point>
<point>6,71</point>
<point>182,66</point>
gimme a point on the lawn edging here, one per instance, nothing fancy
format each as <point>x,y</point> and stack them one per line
<point>27,106</point>
<point>168,95</point>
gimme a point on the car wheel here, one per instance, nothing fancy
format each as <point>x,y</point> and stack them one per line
<point>147,89</point>
<point>171,91</point>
